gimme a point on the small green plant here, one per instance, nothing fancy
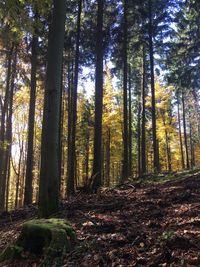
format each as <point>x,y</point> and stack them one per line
<point>165,237</point>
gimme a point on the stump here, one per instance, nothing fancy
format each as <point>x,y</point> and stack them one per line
<point>51,237</point>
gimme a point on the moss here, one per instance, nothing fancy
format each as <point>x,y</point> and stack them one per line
<point>10,253</point>
<point>49,236</point>
<point>41,235</point>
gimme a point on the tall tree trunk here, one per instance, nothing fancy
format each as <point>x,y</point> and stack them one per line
<point>107,159</point>
<point>130,127</point>
<point>2,129</point>
<point>69,110</point>
<point>125,107</point>
<point>185,132</point>
<point>8,134</point>
<point>87,155</point>
<point>153,101</point>
<point>71,172</point>
<point>180,137</point>
<point>98,99</point>
<point>139,137</point>
<point>192,159</point>
<point>61,124</point>
<point>31,121</point>
<point>143,141</point>
<point>167,142</point>
<point>50,148</point>
<point>19,174</point>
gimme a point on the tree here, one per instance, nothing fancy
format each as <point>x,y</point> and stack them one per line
<point>72,143</point>
<point>98,98</point>
<point>143,145</point>
<point>49,172</point>
<point>153,103</point>
<point>125,101</point>
<point>30,155</point>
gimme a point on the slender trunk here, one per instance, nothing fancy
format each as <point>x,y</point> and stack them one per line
<point>191,146</point>
<point>125,109</point>
<point>87,155</point>
<point>18,175</point>
<point>130,127</point>
<point>168,150</point>
<point>8,184</point>
<point>192,160</point>
<point>61,121</point>
<point>143,142</point>
<point>72,155</point>
<point>98,99</point>
<point>2,129</point>
<point>31,122</point>
<point>8,133</point>
<point>153,101</point>
<point>69,110</point>
<point>180,137</point>
<point>50,147</point>
<point>185,133</point>
<point>107,160</point>
<point>139,138</point>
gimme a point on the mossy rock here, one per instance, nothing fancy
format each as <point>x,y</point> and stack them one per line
<point>51,237</point>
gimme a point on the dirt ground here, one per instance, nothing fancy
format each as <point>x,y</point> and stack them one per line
<point>151,225</point>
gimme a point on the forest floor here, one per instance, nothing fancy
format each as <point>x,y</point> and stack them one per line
<point>151,223</point>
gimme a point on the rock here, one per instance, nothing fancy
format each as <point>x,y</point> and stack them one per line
<point>51,237</point>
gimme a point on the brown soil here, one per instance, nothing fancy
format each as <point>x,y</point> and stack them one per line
<point>132,225</point>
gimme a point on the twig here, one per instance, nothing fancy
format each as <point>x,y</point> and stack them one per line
<point>87,217</point>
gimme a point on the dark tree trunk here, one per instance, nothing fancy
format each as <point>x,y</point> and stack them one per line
<point>153,101</point>
<point>72,148</point>
<point>18,174</point>
<point>130,128</point>
<point>87,155</point>
<point>143,141</point>
<point>185,133</point>
<point>31,123</point>
<point>8,135</point>
<point>192,158</point>
<point>139,137</point>
<point>107,159</point>
<point>180,137</point>
<point>3,128</point>
<point>61,161</point>
<point>69,110</point>
<point>50,148</point>
<point>125,107</point>
<point>168,149</point>
<point>98,99</point>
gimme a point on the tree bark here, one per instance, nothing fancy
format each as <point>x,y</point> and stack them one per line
<point>130,127</point>
<point>3,130</point>
<point>125,107</point>
<point>180,137</point>
<point>31,122</point>
<point>50,148</point>
<point>139,137</point>
<point>153,101</point>
<point>143,142</point>
<point>71,172</point>
<point>107,160</point>
<point>185,133</point>
<point>97,161</point>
